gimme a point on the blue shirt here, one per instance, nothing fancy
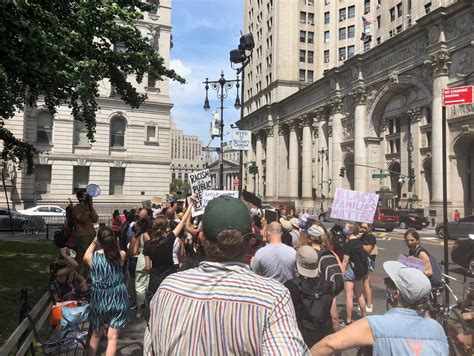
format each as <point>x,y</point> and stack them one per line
<point>403,331</point>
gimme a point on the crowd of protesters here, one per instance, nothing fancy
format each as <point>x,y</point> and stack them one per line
<point>231,282</point>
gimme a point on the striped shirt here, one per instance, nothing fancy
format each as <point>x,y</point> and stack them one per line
<point>222,309</point>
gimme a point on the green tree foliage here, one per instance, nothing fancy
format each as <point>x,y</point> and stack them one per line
<point>179,188</point>
<point>58,51</point>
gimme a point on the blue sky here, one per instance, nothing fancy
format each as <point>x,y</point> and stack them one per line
<point>204,31</point>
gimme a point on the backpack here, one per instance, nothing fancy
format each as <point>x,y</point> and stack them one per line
<point>338,239</point>
<point>436,278</point>
<point>358,261</point>
<point>330,270</point>
<point>314,314</point>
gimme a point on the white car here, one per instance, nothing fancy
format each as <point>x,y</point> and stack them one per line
<point>44,210</point>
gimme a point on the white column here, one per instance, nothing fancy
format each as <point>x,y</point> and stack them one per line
<point>323,166</point>
<point>360,149</point>
<point>307,159</point>
<point>270,163</point>
<point>336,151</point>
<point>440,62</point>
<point>282,160</point>
<point>259,157</point>
<point>293,164</point>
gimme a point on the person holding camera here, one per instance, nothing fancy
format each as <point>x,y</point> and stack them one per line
<point>83,231</point>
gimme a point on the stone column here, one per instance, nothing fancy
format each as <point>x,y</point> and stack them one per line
<point>440,62</point>
<point>307,159</point>
<point>336,156</point>
<point>315,149</point>
<point>259,157</point>
<point>323,137</point>
<point>360,149</point>
<point>270,163</point>
<point>282,159</point>
<point>293,160</point>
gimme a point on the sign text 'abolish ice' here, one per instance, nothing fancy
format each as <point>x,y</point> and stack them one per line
<point>351,205</point>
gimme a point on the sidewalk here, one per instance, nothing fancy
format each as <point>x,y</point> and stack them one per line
<point>21,236</point>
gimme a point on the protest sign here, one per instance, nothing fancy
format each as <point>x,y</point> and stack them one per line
<point>199,182</point>
<point>412,262</point>
<point>351,205</point>
<point>208,195</point>
<point>252,199</point>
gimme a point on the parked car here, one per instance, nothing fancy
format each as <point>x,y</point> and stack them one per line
<point>16,223</point>
<point>462,252</point>
<point>44,210</point>
<point>410,220</point>
<point>385,218</point>
<point>457,229</point>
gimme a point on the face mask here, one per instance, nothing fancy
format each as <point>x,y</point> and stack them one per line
<point>347,232</point>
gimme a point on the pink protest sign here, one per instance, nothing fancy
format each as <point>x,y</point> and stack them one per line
<point>351,205</point>
<point>412,262</point>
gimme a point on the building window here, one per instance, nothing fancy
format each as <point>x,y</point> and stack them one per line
<point>366,6</point>
<point>351,11</point>
<point>342,33</point>
<point>302,55</point>
<point>350,51</point>
<point>351,31</point>
<point>327,2</point>
<point>379,40</point>
<point>310,2</point>
<point>116,181</point>
<point>80,133</point>
<point>42,178</point>
<point>310,37</point>
<point>151,81</point>
<point>342,14</point>
<point>326,36</point>
<point>302,17</point>
<point>427,8</point>
<point>392,14</point>
<point>366,46</point>
<point>379,23</point>
<point>310,57</point>
<point>151,133</point>
<point>310,18</point>
<point>302,36</point>
<point>302,75</point>
<point>326,56</point>
<point>309,76</point>
<point>44,127</point>
<point>118,126</point>
<point>327,17</point>
<point>342,53</point>
<point>399,28</point>
<point>399,10</point>
<point>367,29</point>
<point>80,178</point>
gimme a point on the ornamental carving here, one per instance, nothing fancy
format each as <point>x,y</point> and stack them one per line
<point>433,34</point>
<point>463,64</point>
<point>360,96</point>
<point>283,129</point>
<point>294,125</point>
<point>440,62</point>
<point>320,114</point>
<point>336,104</point>
<point>347,129</point>
<point>382,126</point>
<point>269,132</point>
<point>329,130</point>
<point>414,115</point>
<point>393,78</point>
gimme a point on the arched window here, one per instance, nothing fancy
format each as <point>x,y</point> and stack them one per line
<point>118,126</point>
<point>44,127</point>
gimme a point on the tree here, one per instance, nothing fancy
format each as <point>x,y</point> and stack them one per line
<point>179,188</point>
<point>58,51</point>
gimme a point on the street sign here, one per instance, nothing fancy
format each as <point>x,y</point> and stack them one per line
<point>241,139</point>
<point>211,149</point>
<point>236,182</point>
<point>457,96</point>
<point>379,175</point>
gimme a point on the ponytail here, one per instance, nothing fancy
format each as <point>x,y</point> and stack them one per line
<point>108,242</point>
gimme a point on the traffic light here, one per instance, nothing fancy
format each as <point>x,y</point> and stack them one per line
<point>253,168</point>
<point>342,172</point>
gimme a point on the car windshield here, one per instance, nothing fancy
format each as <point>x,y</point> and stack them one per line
<point>387,211</point>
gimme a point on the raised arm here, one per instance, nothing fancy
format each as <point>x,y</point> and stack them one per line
<point>89,252</point>
<point>177,230</point>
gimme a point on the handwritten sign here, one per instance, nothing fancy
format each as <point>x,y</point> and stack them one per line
<point>208,195</point>
<point>199,182</point>
<point>351,205</point>
<point>412,262</point>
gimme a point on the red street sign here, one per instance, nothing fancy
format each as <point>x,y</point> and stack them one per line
<point>236,182</point>
<point>457,96</point>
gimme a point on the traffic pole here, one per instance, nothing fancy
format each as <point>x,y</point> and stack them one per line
<point>445,202</point>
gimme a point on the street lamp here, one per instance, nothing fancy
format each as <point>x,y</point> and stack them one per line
<point>411,170</point>
<point>322,156</point>
<point>221,86</point>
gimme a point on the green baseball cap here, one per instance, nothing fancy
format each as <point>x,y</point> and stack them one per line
<point>225,213</point>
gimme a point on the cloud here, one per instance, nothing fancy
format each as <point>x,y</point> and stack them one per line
<point>180,68</point>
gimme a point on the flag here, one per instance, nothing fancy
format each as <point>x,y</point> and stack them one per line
<point>366,21</point>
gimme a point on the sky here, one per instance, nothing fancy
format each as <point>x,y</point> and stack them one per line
<point>204,31</point>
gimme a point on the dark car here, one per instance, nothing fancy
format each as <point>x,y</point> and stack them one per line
<point>410,220</point>
<point>457,229</point>
<point>17,222</point>
<point>385,218</point>
<point>462,253</point>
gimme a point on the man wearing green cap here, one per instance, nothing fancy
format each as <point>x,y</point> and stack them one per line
<point>222,307</point>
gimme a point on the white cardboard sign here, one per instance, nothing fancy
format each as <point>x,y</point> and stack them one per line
<point>199,182</point>
<point>351,205</point>
<point>208,195</point>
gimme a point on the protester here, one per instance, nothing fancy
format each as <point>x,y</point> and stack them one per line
<point>158,250</point>
<point>456,215</point>
<point>401,330</point>
<point>141,274</point>
<point>312,297</point>
<point>222,307</point>
<point>369,243</point>
<point>84,232</point>
<point>276,260</point>
<point>109,297</point>
<point>288,225</point>
<point>412,240</point>
<point>116,223</point>
<point>354,267</point>
<point>66,283</point>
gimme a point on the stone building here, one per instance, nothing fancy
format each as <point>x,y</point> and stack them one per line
<point>130,159</point>
<point>379,110</point>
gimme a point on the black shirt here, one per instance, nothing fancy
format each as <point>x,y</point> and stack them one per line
<point>368,239</point>
<point>351,247</point>
<point>161,255</point>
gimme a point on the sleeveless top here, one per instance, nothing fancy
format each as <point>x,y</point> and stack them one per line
<point>403,331</point>
<point>104,274</point>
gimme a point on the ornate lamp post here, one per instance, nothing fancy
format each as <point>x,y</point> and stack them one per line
<point>222,86</point>
<point>322,157</point>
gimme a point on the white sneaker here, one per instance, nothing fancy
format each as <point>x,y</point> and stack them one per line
<point>367,308</point>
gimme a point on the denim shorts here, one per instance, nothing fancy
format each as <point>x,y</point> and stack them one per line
<point>349,276</point>
<point>371,261</point>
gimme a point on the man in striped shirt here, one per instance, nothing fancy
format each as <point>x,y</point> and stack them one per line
<point>222,307</point>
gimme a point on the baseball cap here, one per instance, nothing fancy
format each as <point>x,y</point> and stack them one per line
<point>225,213</point>
<point>412,283</point>
<point>314,232</point>
<point>307,262</point>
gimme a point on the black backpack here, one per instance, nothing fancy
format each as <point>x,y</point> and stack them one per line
<point>358,261</point>
<point>436,278</point>
<point>338,239</point>
<point>314,314</point>
<point>330,270</point>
